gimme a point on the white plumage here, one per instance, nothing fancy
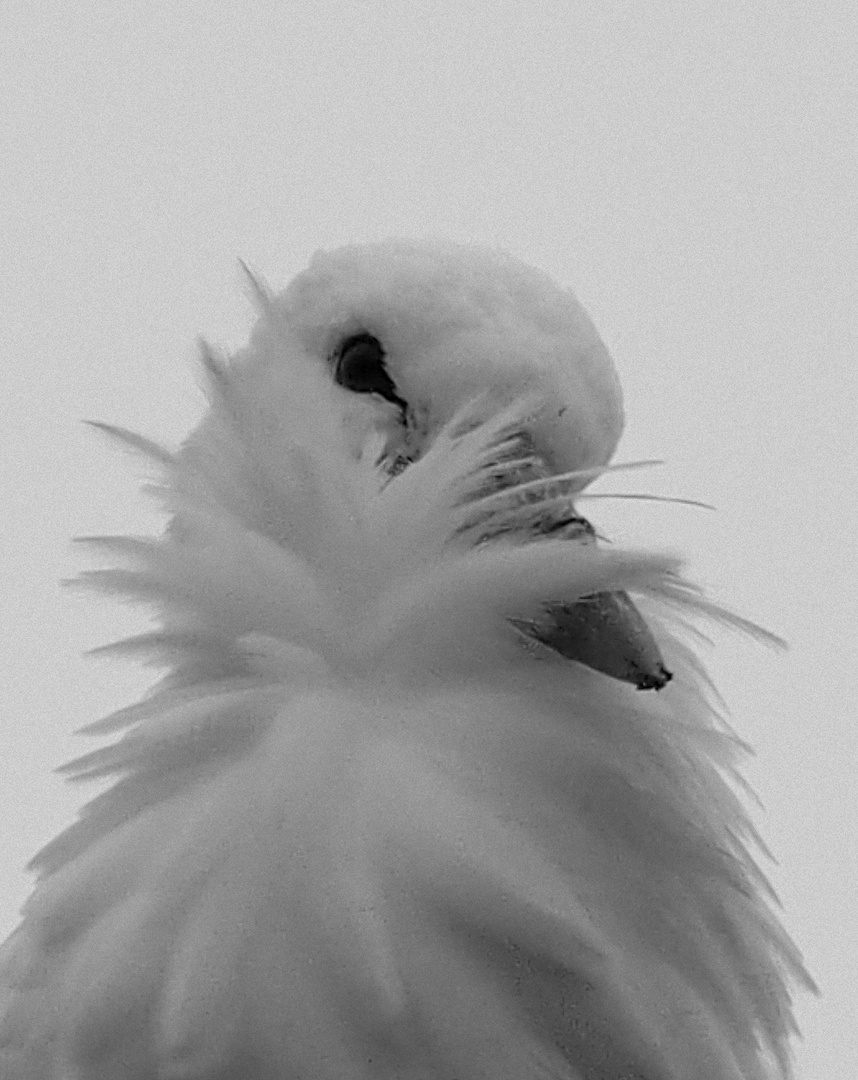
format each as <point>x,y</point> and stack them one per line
<point>397,808</point>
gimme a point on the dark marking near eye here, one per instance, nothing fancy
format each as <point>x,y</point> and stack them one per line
<point>359,366</point>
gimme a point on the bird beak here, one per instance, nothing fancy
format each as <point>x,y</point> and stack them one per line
<point>604,630</point>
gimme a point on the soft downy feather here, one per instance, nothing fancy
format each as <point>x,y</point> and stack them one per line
<point>364,827</point>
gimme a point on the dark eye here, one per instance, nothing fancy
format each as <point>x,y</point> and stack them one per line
<point>359,366</point>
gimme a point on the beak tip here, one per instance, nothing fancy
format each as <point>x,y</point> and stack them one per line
<point>653,679</point>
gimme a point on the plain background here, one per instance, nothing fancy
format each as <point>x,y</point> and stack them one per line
<point>688,167</point>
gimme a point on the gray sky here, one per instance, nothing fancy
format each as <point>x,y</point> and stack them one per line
<point>689,168</point>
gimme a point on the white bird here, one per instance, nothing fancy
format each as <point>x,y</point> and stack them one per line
<point>405,804</point>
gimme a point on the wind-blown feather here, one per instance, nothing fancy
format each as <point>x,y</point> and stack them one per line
<point>365,827</point>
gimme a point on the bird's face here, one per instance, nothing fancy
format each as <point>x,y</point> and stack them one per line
<point>373,354</point>
<point>408,334</point>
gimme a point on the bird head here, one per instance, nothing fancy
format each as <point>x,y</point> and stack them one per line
<point>382,356</point>
<point>427,327</point>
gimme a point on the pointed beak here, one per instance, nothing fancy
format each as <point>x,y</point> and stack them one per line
<point>604,631</point>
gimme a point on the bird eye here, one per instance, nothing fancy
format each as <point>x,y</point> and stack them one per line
<point>359,366</point>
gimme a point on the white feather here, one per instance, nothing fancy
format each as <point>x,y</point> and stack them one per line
<point>364,828</point>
